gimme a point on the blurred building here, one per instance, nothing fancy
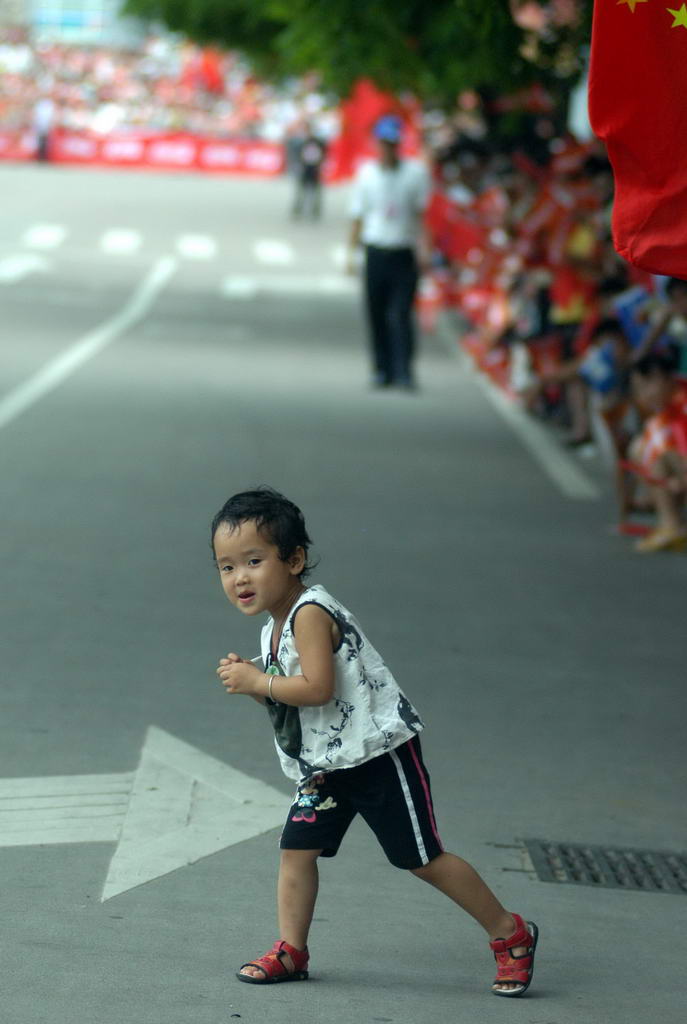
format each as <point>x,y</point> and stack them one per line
<point>13,13</point>
<point>89,22</point>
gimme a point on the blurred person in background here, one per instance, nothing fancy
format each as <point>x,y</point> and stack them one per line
<point>387,206</point>
<point>308,159</point>
<point>667,330</point>
<point>660,450</point>
<point>43,123</point>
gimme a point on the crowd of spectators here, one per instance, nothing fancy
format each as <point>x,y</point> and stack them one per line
<point>166,85</point>
<point>522,234</point>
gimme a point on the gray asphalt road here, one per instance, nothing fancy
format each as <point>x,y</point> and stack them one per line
<point>546,658</point>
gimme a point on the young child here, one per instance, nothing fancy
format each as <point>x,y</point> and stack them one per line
<point>660,450</point>
<point>344,732</point>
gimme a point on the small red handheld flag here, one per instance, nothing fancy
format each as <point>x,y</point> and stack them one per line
<point>637,89</point>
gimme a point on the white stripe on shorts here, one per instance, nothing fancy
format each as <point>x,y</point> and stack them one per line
<point>411,807</point>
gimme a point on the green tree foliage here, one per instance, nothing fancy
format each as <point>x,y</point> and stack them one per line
<point>435,48</point>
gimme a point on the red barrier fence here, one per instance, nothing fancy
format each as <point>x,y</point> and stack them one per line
<point>151,150</point>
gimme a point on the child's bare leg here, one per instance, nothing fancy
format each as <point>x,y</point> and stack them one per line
<point>296,894</point>
<point>577,399</point>
<point>461,883</point>
<point>669,499</point>
<point>667,510</point>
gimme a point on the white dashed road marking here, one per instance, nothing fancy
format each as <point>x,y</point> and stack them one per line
<point>120,241</point>
<point>196,247</point>
<point>273,251</point>
<point>237,286</point>
<point>45,236</point>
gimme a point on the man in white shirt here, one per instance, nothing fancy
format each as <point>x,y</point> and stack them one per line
<point>387,205</point>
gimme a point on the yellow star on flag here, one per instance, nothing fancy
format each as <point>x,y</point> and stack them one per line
<point>632,3</point>
<point>680,16</point>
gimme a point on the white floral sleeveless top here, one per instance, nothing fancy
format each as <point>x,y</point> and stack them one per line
<point>368,715</point>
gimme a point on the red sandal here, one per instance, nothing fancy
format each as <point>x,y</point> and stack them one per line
<point>273,967</point>
<point>511,968</point>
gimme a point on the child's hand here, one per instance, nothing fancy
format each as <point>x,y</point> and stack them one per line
<point>231,659</point>
<point>239,676</point>
<point>224,663</point>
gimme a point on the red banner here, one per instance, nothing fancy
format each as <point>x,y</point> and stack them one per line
<point>16,146</point>
<point>152,151</point>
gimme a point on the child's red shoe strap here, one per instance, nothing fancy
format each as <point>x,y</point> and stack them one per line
<point>521,937</point>
<point>300,957</point>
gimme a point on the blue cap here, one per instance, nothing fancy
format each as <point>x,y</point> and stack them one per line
<point>388,129</point>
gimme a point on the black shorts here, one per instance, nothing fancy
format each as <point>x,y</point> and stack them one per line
<point>392,794</point>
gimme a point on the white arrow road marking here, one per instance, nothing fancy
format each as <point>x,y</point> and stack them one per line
<point>239,287</point>
<point>14,268</point>
<point>273,251</point>
<point>185,806</point>
<point>179,806</point>
<point>65,809</point>
<point>45,236</point>
<point>62,366</point>
<point>196,247</point>
<point>120,241</point>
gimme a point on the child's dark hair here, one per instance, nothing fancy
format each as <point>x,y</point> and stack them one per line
<point>273,514</point>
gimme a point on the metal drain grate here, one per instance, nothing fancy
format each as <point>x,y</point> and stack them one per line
<point>608,867</point>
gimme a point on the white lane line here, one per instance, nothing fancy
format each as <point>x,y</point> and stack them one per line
<point>45,236</point>
<point>120,241</point>
<point>273,252</point>
<point>14,268</point>
<point>559,466</point>
<point>544,449</point>
<point>237,286</point>
<point>196,247</point>
<point>68,362</point>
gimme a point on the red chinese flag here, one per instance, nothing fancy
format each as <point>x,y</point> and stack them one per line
<point>359,113</point>
<point>637,88</point>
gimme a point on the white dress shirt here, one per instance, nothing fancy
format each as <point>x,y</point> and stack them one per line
<point>390,202</point>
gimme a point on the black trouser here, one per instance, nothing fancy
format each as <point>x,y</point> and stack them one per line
<point>390,282</point>
<point>43,146</point>
<point>308,196</point>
